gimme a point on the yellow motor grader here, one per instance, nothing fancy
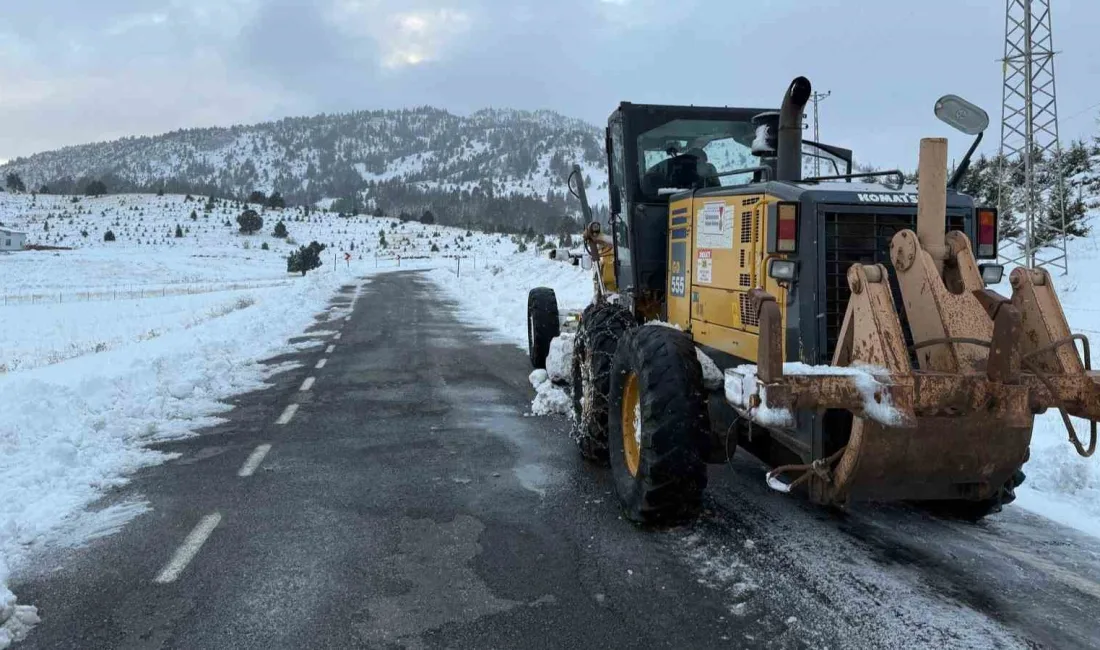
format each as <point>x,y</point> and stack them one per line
<point>836,325</point>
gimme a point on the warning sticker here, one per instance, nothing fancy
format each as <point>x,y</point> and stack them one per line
<point>704,267</point>
<point>715,226</point>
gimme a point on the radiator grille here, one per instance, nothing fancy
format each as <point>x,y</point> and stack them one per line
<point>746,227</point>
<point>863,238</point>
<point>749,317</point>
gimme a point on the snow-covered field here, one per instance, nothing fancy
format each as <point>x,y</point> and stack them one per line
<point>112,346</point>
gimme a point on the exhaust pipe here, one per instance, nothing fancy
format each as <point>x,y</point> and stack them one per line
<point>789,153</point>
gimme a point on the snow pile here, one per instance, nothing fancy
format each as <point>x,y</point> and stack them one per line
<point>741,383</point>
<point>559,361</point>
<point>549,399</point>
<point>15,620</point>
<point>492,291</point>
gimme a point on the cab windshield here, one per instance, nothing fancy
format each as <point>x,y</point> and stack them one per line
<point>690,154</point>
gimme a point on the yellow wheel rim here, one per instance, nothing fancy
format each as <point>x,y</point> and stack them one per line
<point>632,424</point>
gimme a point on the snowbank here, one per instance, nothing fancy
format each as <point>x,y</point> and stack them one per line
<point>493,292</point>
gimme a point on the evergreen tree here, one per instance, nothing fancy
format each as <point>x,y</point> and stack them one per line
<point>109,236</point>
<point>95,188</point>
<point>179,231</point>
<point>250,221</point>
<point>280,230</point>
<point>15,183</point>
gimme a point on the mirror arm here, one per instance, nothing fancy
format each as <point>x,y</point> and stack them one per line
<point>961,170</point>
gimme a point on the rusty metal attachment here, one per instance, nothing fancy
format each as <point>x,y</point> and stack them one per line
<point>959,424</point>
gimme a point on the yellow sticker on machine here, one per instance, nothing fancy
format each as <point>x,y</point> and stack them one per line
<point>714,226</point>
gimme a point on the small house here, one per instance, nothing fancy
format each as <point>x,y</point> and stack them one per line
<point>12,240</point>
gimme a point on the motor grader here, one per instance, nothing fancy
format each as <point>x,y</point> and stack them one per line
<point>861,355</point>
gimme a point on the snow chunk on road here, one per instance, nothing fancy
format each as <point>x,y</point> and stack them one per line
<point>549,399</point>
<point>15,620</point>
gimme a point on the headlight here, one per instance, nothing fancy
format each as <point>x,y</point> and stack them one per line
<point>782,270</point>
<point>992,273</point>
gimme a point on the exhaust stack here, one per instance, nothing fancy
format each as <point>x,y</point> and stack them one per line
<point>789,163</point>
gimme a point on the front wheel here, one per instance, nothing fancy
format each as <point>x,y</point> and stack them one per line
<point>542,324</point>
<point>658,426</point>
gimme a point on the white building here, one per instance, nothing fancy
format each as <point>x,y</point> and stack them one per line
<point>12,240</point>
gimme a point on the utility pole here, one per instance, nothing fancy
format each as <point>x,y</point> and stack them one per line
<point>818,97</point>
<point>1030,149</point>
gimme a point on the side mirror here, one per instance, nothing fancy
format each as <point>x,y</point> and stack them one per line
<point>961,114</point>
<point>586,262</point>
<point>616,204</point>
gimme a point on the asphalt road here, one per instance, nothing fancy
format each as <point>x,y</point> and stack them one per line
<point>409,502</point>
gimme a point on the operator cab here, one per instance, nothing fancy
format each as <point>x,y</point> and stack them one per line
<point>656,151</point>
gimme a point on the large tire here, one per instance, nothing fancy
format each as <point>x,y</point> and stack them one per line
<point>601,327</point>
<point>658,402</point>
<point>542,324</point>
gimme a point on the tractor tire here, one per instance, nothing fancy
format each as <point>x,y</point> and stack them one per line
<point>658,434</point>
<point>542,324</point>
<point>975,511</point>
<point>601,327</point>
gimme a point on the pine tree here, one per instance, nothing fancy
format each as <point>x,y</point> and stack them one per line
<point>179,231</point>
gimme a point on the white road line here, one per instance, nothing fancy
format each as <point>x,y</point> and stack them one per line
<point>253,461</point>
<point>291,409</point>
<point>307,384</point>
<point>336,336</point>
<point>190,547</point>
<point>329,349</point>
<point>321,364</point>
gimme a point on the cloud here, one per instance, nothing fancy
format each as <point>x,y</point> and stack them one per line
<point>78,71</point>
<point>136,21</point>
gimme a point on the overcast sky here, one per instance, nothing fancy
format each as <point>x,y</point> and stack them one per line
<point>76,71</point>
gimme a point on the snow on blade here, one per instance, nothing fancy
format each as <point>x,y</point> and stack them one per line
<point>741,383</point>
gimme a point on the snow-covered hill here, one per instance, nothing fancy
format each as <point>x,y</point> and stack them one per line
<point>396,160</point>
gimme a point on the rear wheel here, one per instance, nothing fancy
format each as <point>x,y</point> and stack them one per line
<point>601,327</point>
<point>658,426</point>
<point>542,324</point>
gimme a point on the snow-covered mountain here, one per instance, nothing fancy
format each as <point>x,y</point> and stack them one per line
<point>479,169</point>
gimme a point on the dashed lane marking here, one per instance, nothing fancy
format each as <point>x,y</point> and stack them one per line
<point>253,461</point>
<point>307,384</point>
<point>337,336</point>
<point>321,364</point>
<point>190,547</point>
<point>329,349</point>
<point>288,413</point>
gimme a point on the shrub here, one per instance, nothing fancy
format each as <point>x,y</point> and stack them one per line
<point>250,221</point>
<point>280,230</point>
<point>194,216</point>
<point>435,249</point>
<point>179,231</point>
<point>257,197</point>
<point>305,258</point>
<point>427,218</point>
<point>109,236</point>
<point>265,247</point>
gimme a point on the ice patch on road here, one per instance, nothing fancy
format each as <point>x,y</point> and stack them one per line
<point>841,597</point>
